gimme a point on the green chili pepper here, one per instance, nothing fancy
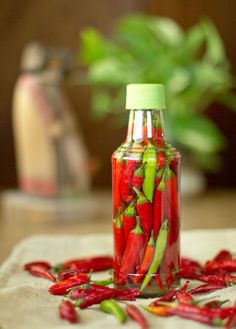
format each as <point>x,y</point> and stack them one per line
<point>112,307</point>
<point>149,156</point>
<point>165,173</point>
<point>161,242</point>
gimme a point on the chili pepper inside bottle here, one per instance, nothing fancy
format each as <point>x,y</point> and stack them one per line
<point>145,174</point>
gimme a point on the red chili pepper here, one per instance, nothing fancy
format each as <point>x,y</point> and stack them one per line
<point>45,265</point>
<point>186,262</point>
<point>66,274</point>
<point>41,272</point>
<point>118,241</point>
<point>218,267</point>
<point>137,316</point>
<point>231,323</point>
<point>144,208</point>
<point>222,262</point>
<point>147,259</point>
<point>222,256</point>
<point>87,289</point>
<point>157,211</point>
<point>126,192</point>
<point>129,220</point>
<point>207,287</point>
<point>118,170</point>
<point>221,277</point>
<point>183,296</point>
<point>190,272</point>
<point>160,159</point>
<point>159,282</point>
<point>133,251</point>
<point>138,177</point>
<point>93,298</point>
<point>214,304</point>
<point>67,312</point>
<point>170,278</point>
<point>195,313</point>
<point>61,288</point>
<point>95,264</point>
<point>171,205</point>
<point>169,297</point>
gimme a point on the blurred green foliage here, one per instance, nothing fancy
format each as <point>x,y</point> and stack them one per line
<point>192,65</point>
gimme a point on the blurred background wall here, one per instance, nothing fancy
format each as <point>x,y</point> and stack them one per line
<point>57,23</point>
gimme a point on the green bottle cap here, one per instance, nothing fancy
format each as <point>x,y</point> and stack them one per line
<point>145,96</point>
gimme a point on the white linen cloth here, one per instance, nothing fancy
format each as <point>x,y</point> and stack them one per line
<point>26,304</point>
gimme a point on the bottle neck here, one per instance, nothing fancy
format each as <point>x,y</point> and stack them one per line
<point>146,125</point>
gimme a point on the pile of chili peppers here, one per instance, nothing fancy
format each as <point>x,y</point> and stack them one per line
<point>146,215</point>
<point>73,280</point>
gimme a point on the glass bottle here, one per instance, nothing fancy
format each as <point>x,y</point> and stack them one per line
<point>146,202</point>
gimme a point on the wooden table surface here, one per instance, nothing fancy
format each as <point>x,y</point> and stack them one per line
<point>213,209</point>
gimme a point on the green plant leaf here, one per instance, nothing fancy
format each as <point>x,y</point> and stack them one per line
<point>101,104</point>
<point>108,71</point>
<point>135,35</point>
<point>194,42</point>
<point>198,134</point>
<point>94,47</point>
<point>215,52</point>
<point>166,31</point>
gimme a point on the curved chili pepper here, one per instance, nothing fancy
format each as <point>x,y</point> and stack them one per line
<point>93,299</point>
<point>150,158</point>
<point>221,277</point>
<point>231,323</point>
<point>160,310</point>
<point>169,297</point>
<point>112,307</point>
<point>190,272</point>
<point>61,288</point>
<point>95,264</point>
<point>185,262</point>
<point>66,274</point>
<point>87,289</point>
<point>197,314</point>
<point>218,267</point>
<point>45,265</point>
<point>126,191</point>
<point>138,176</point>
<point>118,241</point>
<point>222,262</point>
<point>147,259</point>
<point>41,272</point>
<point>67,312</point>
<point>137,316</point>
<point>129,220</point>
<point>214,303</point>
<point>223,255</point>
<point>133,251</point>
<point>207,287</point>
<point>183,296</point>
<point>144,209</point>
<point>161,243</point>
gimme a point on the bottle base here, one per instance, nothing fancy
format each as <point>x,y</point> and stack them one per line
<point>152,290</point>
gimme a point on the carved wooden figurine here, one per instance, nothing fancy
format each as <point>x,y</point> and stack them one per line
<point>51,156</point>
